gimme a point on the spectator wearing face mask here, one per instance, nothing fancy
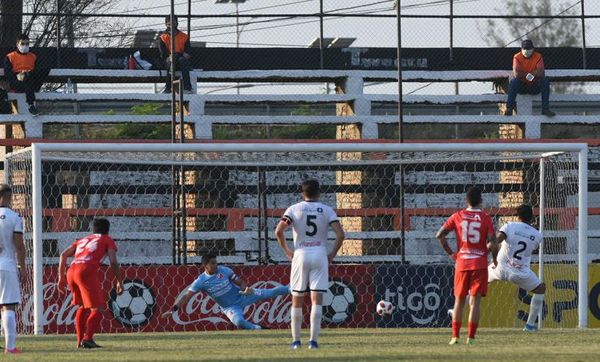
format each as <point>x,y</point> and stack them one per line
<point>22,72</point>
<point>180,55</point>
<point>529,78</point>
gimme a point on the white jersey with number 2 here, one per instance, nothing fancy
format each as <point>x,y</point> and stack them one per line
<point>310,221</point>
<point>521,240</point>
<point>514,258</point>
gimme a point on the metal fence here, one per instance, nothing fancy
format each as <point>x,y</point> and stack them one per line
<point>309,23</point>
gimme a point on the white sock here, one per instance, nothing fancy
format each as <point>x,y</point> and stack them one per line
<point>534,309</point>
<point>9,325</point>
<point>296,315</point>
<point>316,312</point>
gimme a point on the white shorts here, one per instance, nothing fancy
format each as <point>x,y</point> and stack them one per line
<point>525,278</point>
<point>10,290</point>
<point>310,271</point>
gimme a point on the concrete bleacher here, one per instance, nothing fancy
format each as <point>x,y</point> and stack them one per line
<point>351,92</point>
<point>351,83</point>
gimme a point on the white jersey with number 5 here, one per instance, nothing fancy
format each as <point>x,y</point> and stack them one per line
<point>521,240</point>
<point>10,223</point>
<point>310,221</point>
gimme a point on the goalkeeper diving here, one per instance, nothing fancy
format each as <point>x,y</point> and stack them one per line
<point>229,291</point>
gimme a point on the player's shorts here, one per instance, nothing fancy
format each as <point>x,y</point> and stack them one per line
<point>524,278</point>
<point>85,285</point>
<point>310,271</point>
<point>470,282</point>
<point>10,290</point>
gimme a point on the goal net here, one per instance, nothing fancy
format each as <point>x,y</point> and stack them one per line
<point>170,203</point>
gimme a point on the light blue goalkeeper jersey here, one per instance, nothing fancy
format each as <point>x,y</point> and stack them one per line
<point>219,286</point>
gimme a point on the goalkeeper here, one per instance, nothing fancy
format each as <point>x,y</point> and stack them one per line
<point>228,290</point>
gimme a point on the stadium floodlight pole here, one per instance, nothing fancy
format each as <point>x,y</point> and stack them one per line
<point>451,18</point>
<point>400,127</point>
<point>584,60</point>
<point>58,37</point>
<point>174,171</point>
<point>321,37</point>
<point>189,19</point>
<point>542,220</point>
<point>582,305</point>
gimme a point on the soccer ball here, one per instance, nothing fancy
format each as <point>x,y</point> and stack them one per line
<point>384,308</point>
<point>133,308</point>
<point>338,302</point>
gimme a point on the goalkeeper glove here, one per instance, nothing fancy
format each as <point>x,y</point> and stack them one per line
<point>247,291</point>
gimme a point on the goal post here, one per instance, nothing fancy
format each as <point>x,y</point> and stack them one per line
<point>361,176</point>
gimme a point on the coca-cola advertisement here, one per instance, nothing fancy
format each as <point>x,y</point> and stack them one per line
<point>152,290</point>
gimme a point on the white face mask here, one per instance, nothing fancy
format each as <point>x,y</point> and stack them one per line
<point>23,48</point>
<point>527,52</point>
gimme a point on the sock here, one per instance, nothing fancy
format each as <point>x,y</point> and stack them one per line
<point>537,301</point>
<point>9,325</point>
<point>456,328</point>
<point>316,312</point>
<point>80,319</point>
<point>472,329</point>
<point>296,315</point>
<point>93,322</point>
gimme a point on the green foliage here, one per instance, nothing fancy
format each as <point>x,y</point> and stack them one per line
<point>146,109</point>
<point>140,130</point>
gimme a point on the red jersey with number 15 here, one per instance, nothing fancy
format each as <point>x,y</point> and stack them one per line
<point>92,249</point>
<point>472,228</point>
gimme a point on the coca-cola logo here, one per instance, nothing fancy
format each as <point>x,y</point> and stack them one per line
<point>57,310</point>
<point>202,309</point>
<point>135,307</point>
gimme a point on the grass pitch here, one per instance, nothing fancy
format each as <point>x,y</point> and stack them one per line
<point>336,345</point>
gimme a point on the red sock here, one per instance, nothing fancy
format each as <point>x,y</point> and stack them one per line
<point>472,329</point>
<point>80,320</point>
<point>93,322</point>
<point>456,328</point>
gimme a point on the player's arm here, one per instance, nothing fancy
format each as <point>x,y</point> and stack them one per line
<point>20,249</point>
<point>242,284</point>
<point>62,266</point>
<point>494,246</point>
<point>339,239</point>
<point>179,304</point>
<point>114,265</point>
<point>279,233</point>
<point>441,236</point>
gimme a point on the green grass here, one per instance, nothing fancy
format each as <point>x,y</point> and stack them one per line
<point>336,345</point>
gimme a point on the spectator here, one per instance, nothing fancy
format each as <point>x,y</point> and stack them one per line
<point>529,78</point>
<point>181,55</point>
<point>24,76</point>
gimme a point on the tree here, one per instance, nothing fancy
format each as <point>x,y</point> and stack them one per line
<point>76,30</point>
<point>543,32</point>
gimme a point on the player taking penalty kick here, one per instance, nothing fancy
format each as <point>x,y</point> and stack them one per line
<point>518,240</point>
<point>310,220</point>
<point>474,231</point>
<point>84,281</point>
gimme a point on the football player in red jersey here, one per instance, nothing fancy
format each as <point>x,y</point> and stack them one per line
<point>84,281</point>
<point>474,231</point>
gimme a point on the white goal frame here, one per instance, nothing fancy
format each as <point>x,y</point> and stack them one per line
<point>580,148</point>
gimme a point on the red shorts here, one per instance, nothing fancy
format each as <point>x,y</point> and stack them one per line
<point>470,282</point>
<point>85,285</point>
